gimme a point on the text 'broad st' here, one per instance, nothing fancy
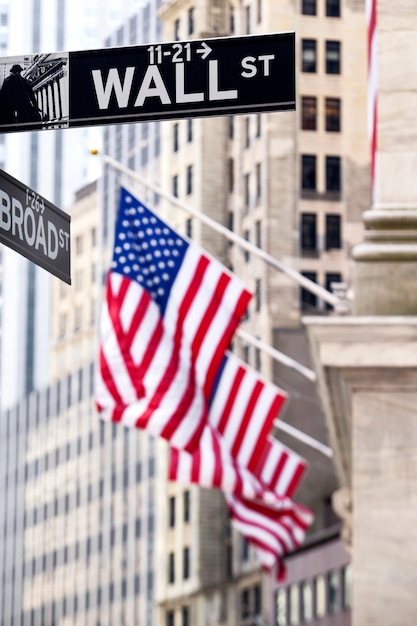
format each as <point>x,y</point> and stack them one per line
<point>34,227</point>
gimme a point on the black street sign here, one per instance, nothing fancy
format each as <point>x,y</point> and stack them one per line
<point>34,227</point>
<point>196,78</point>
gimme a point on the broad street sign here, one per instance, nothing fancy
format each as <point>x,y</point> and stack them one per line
<point>196,78</point>
<point>34,227</point>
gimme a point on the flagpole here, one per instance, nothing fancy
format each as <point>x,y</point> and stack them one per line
<point>340,305</point>
<point>303,437</point>
<point>277,355</point>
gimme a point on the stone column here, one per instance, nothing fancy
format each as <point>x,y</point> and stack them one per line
<point>366,364</point>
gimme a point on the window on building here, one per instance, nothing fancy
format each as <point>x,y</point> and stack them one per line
<point>171,567</point>
<point>333,57</point>
<point>187,502</point>
<point>170,621</point>
<point>308,232</point>
<point>258,233</point>
<point>191,19</point>
<point>246,182</point>
<point>175,185</point>
<point>231,127</point>
<point>309,113</point>
<point>177,30</point>
<point>309,7</point>
<point>258,294</point>
<point>309,55</point>
<point>333,8</point>
<point>247,132</point>
<point>189,129</point>
<point>62,325</point>
<point>231,174</point>
<point>333,173</point>
<point>257,600</point>
<point>94,237</point>
<point>186,563</point>
<point>258,169</point>
<point>258,125</point>
<point>308,298</point>
<point>232,19</point>
<point>308,172</point>
<point>258,360</point>
<point>175,142</point>
<point>245,604</point>
<point>333,231</point>
<point>259,11</point>
<point>171,512</point>
<point>189,228</point>
<point>185,616</point>
<point>248,20</point>
<point>332,277</point>
<point>246,254</point>
<point>333,114</point>
<point>189,180</point>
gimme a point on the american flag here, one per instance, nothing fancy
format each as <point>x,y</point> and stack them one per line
<point>274,532</point>
<point>257,473</point>
<point>169,315</point>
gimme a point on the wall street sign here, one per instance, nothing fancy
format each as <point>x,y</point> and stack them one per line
<point>196,78</point>
<point>34,227</point>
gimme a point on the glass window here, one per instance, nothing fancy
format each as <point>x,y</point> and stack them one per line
<point>189,129</point>
<point>175,186</point>
<point>306,602</point>
<point>308,231</point>
<point>282,607</point>
<point>333,8</point>
<point>187,495</point>
<point>259,11</point>
<point>333,173</point>
<point>258,294</point>
<point>333,228</point>
<point>176,30</point>
<point>185,614</point>
<point>308,172</point>
<point>333,590</point>
<point>333,114</point>
<point>320,589</point>
<point>309,7</point>
<point>258,169</point>
<point>309,55</point>
<point>191,15</point>
<point>257,600</point>
<point>186,563</point>
<point>309,113</point>
<point>231,177</point>
<point>169,618</point>
<point>247,190</point>
<point>333,57</point>
<point>347,587</point>
<point>248,20</point>
<point>171,512</point>
<point>332,277</point>
<point>308,298</point>
<point>245,603</point>
<point>171,567</point>
<point>189,180</point>
<point>175,143</point>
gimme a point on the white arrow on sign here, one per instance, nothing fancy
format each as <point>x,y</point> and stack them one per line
<point>204,50</point>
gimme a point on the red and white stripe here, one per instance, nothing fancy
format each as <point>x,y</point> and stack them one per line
<point>274,532</point>
<point>371,16</point>
<point>243,411</point>
<point>157,373</point>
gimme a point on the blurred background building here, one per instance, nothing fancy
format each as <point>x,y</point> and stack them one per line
<point>94,533</point>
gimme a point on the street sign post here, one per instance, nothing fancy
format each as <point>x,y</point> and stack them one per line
<point>197,78</point>
<point>34,227</point>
